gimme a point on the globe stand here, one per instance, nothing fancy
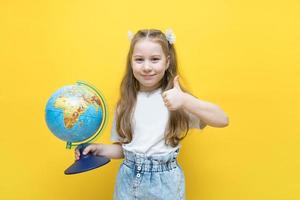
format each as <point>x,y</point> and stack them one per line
<point>86,162</point>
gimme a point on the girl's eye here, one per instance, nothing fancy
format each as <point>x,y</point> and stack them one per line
<point>140,59</point>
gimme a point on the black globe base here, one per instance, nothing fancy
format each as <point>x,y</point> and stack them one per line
<point>86,163</point>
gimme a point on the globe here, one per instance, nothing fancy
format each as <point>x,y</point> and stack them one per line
<point>77,115</point>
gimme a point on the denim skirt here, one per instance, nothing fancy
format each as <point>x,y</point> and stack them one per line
<point>142,177</point>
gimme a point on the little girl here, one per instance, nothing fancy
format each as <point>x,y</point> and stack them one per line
<point>152,115</point>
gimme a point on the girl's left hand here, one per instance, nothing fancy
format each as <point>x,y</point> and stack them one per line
<point>174,98</point>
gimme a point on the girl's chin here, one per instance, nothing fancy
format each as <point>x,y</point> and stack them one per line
<point>149,83</point>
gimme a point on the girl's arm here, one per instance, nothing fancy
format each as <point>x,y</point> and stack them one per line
<point>112,151</point>
<point>209,113</point>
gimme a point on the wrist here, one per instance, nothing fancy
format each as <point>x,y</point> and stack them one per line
<point>185,97</point>
<point>99,149</point>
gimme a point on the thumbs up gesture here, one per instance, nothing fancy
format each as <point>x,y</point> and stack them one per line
<point>174,98</point>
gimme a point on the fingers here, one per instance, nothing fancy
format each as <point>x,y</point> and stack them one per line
<point>164,95</point>
<point>88,149</point>
<point>77,154</point>
<point>167,104</point>
<point>91,148</point>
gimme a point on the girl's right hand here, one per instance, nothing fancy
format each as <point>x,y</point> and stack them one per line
<point>93,149</point>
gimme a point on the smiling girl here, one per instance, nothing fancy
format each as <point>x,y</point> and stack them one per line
<point>154,113</point>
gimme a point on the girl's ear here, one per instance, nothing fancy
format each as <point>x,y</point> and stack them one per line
<point>168,61</point>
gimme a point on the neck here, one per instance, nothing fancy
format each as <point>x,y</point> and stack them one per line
<point>143,89</point>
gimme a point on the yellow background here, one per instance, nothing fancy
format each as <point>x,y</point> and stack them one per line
<point>240,55</point>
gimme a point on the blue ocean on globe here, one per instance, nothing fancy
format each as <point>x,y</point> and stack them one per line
<point>74,113</point>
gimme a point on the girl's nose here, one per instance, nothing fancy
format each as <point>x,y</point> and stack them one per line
<point>147,67</point>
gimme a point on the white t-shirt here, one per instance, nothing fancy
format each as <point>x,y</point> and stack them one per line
<point>149,123</point>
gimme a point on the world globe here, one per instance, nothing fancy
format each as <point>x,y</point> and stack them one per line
<point>77,114</point>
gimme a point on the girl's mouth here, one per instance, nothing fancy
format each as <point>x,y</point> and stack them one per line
<point>147,77</point>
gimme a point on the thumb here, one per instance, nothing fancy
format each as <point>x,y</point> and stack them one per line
<point>176,82</point>
<point>87,149</point>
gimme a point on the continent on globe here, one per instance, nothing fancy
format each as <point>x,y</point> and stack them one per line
<point>74,108</point>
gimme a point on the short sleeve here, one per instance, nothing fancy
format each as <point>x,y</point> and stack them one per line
<point>195,122</point>
<point>114,136</point>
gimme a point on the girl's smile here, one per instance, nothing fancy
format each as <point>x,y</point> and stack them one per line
<point>148,77</point>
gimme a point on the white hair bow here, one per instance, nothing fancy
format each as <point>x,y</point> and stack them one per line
<point>169,35</point>
<point>130,35</point>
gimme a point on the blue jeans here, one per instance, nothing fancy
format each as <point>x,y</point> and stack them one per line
<point>143,177</point>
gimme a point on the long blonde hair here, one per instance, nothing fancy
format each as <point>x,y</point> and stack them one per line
<point>178,124</point>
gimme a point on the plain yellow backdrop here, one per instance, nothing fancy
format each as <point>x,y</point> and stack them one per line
<point>240,55</point>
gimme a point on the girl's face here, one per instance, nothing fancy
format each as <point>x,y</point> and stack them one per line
<point>148,64</point>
